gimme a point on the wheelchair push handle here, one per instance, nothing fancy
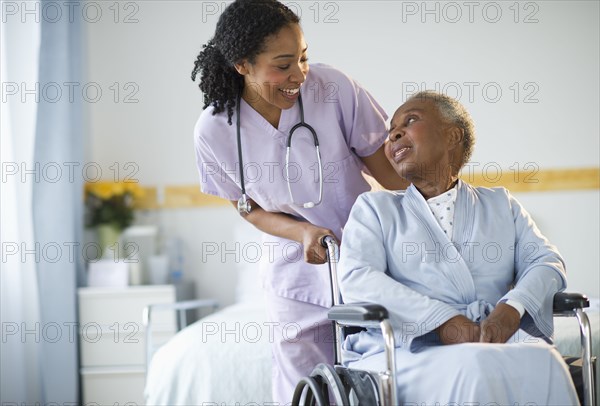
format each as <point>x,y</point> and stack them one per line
<point>326,240</point>
<point>333,253</point>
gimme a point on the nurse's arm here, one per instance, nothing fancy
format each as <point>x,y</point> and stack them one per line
<point>284,226</point>
<point>382,171</point>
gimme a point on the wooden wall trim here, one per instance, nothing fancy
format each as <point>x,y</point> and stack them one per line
<point>539,180</point>
<point>517,182</point>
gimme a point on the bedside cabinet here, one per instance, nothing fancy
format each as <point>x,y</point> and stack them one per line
<point>112,340</point>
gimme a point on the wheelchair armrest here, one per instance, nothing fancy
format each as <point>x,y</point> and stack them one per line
<point>358,312</point>
<point>355,313</point>
<point>565,302</point>
<point>369,315</point>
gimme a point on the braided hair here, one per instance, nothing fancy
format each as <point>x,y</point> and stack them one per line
<point>240,34</point>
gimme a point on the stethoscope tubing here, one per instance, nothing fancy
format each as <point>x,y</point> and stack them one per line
<point>244,206</point>
<point>244,203</point>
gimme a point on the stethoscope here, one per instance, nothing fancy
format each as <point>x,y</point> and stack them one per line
<point>243,205</point>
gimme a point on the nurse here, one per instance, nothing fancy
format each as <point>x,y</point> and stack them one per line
<point>257,85</point>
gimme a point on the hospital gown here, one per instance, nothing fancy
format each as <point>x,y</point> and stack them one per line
<point>396,254</point>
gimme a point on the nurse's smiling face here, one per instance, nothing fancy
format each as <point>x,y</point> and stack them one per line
<point>272,82</point>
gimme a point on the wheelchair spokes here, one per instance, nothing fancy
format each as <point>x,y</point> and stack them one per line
<point>337,386</point>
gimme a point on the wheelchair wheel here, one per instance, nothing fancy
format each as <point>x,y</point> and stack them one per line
<point>361,387</point>
<point>320,387</point>
<point>312,391</point>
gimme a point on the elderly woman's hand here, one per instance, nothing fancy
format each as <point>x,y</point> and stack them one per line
<point>501,324</point>
<point>458,330</point>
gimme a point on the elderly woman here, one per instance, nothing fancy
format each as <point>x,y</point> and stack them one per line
<point>466,276</point>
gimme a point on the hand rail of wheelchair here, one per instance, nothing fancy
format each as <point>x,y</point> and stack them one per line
<point>358,313</point>
<point>572,305</point>
<point>564,302</point>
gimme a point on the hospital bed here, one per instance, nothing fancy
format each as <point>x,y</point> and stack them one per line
<point>225,357</point>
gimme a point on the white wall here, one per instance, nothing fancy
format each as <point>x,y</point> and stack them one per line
<point>391,47</point>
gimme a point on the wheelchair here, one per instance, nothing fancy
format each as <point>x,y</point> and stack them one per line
<point>347,386</point>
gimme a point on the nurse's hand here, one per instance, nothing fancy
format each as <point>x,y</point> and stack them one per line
<point>458,330</point>
<point>314,252</point>
<point>500,325</point>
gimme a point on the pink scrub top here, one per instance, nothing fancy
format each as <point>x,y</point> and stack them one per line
<point>349,124</point>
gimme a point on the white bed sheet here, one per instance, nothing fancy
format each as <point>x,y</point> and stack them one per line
<point>223,359</point>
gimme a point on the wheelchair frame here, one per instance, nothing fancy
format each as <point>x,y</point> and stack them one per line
<point>342,380</point>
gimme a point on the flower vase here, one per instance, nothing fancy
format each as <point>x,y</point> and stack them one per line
<point>108,238</point>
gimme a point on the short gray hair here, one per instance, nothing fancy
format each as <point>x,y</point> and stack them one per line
<point>454,112</point>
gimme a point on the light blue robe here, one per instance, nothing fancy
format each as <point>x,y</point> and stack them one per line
<point>395,253</point>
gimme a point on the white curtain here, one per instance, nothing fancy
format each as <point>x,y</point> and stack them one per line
<point>19,358</point>
<point>40,211</point>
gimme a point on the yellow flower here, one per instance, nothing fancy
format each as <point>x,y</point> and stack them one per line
<point>103,190</point>
<point>118,188</point>
<point>111,202</point>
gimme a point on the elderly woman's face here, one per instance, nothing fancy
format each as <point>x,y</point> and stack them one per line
<point>417,146</point>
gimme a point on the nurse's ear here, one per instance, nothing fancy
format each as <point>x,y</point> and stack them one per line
<point>242,67</point>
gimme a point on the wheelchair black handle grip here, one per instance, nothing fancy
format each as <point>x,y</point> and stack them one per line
<point>569,301</point>
<point>357,312</point>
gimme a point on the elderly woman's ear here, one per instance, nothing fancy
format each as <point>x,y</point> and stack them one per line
<point>455,136</point>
